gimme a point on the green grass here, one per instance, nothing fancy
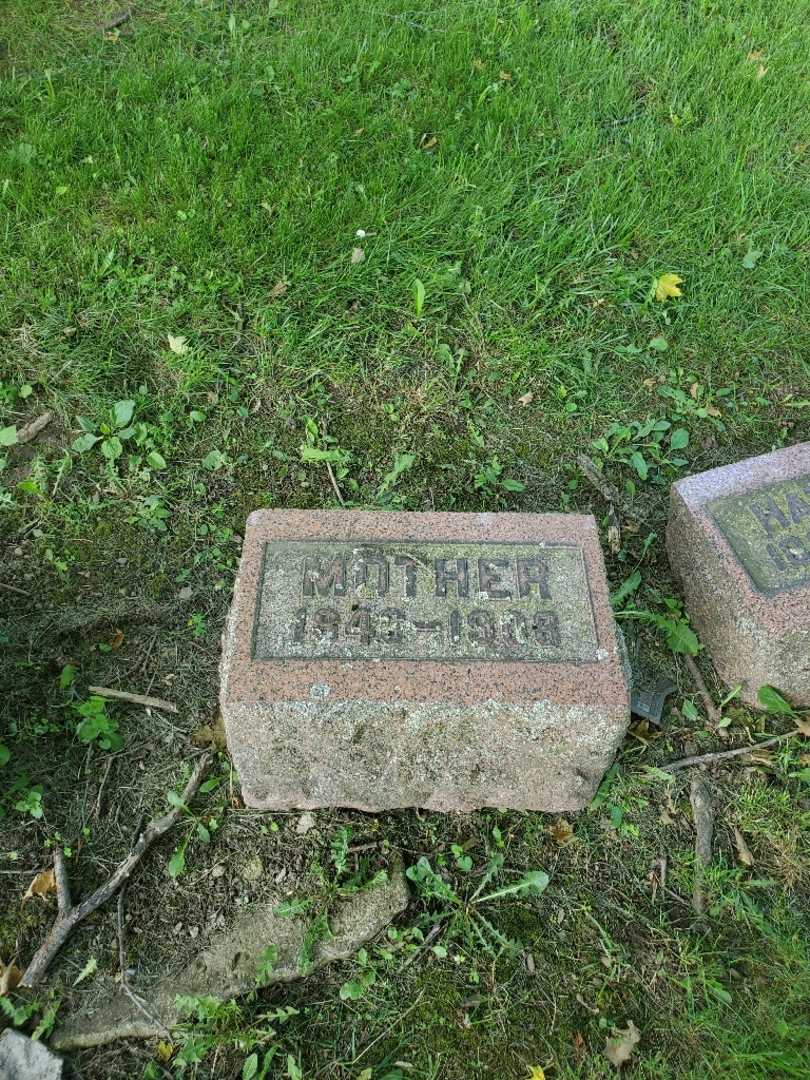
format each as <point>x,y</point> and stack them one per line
<point>203,173</point>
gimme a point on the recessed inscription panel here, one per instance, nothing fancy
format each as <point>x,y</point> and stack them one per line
<point>421,600</point>
<point>769,532</point>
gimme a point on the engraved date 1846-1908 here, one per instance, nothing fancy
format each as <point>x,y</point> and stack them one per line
<point>424,600</point>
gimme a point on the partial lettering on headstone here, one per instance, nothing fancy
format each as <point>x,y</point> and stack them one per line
<point>739,541</point>
<point>439,660</point>
<point>769,531</point>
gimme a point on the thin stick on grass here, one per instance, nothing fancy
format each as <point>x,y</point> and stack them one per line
<point>134,699</point>
<point>700,796</point>
<point>70,915</point>
<point>31,430</point>
<point>708,701</point>
<point>13,588</point>
<point>334,483</point>
<point>719,755</point>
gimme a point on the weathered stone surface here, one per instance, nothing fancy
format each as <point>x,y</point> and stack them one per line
<point>232,965</point>
<point>22,1058</point>
<point>449,661</point>
<point>739,542</point>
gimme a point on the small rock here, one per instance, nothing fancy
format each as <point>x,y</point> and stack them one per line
<point>253,870</point>
<point>305,823</point>
<point>22,1058</point>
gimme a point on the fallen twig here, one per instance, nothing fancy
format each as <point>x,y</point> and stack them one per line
<point>700,796</point>
<point>610,494</point>
<point>429,936</point>
<point>708,701</point>
<point>135,699</point>
<point>30,431</point>
<point>13,588</point>
<point>719,755</point>
<point>334,484</point>
<point>70,915</point>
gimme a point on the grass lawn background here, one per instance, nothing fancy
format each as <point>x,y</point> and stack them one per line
<point>180,202</point>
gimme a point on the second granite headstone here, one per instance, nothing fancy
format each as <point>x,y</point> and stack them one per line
<point>739,543</point>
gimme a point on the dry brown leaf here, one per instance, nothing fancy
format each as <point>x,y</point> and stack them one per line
<point>693,390</point>
<point>802,725</point>
<point>641,730</point>
<point>504,76</point>
<point>712,411</point>
<point>210,735</point>
<point>755,55</point>
<point>428,141</point>
<point>526,399</point>
<point>762,757</point>
<point>562,831</point>
<point>762,71</point>
<point>743,850</point>
<point>358,255</point>
<point>44,884</point>
<point>278,290</point>
<point>10,976</point>
<point>117,639</point>
<point>620,1049</point>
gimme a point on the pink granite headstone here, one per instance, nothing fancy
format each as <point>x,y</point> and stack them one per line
<point>449,661</point>
<point>739,543</point>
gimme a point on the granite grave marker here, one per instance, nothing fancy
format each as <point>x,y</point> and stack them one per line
<point>739,543</point>
<point>449,661</point>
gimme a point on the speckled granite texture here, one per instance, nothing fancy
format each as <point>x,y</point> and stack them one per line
<point>447,661</point>
<point>739,543</point>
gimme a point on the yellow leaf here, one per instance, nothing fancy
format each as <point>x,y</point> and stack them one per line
<point>44,884</point>
<point>178,344</point>
<point>667,285</point>
<point>164,1052</point>
<point>536,1073</point>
